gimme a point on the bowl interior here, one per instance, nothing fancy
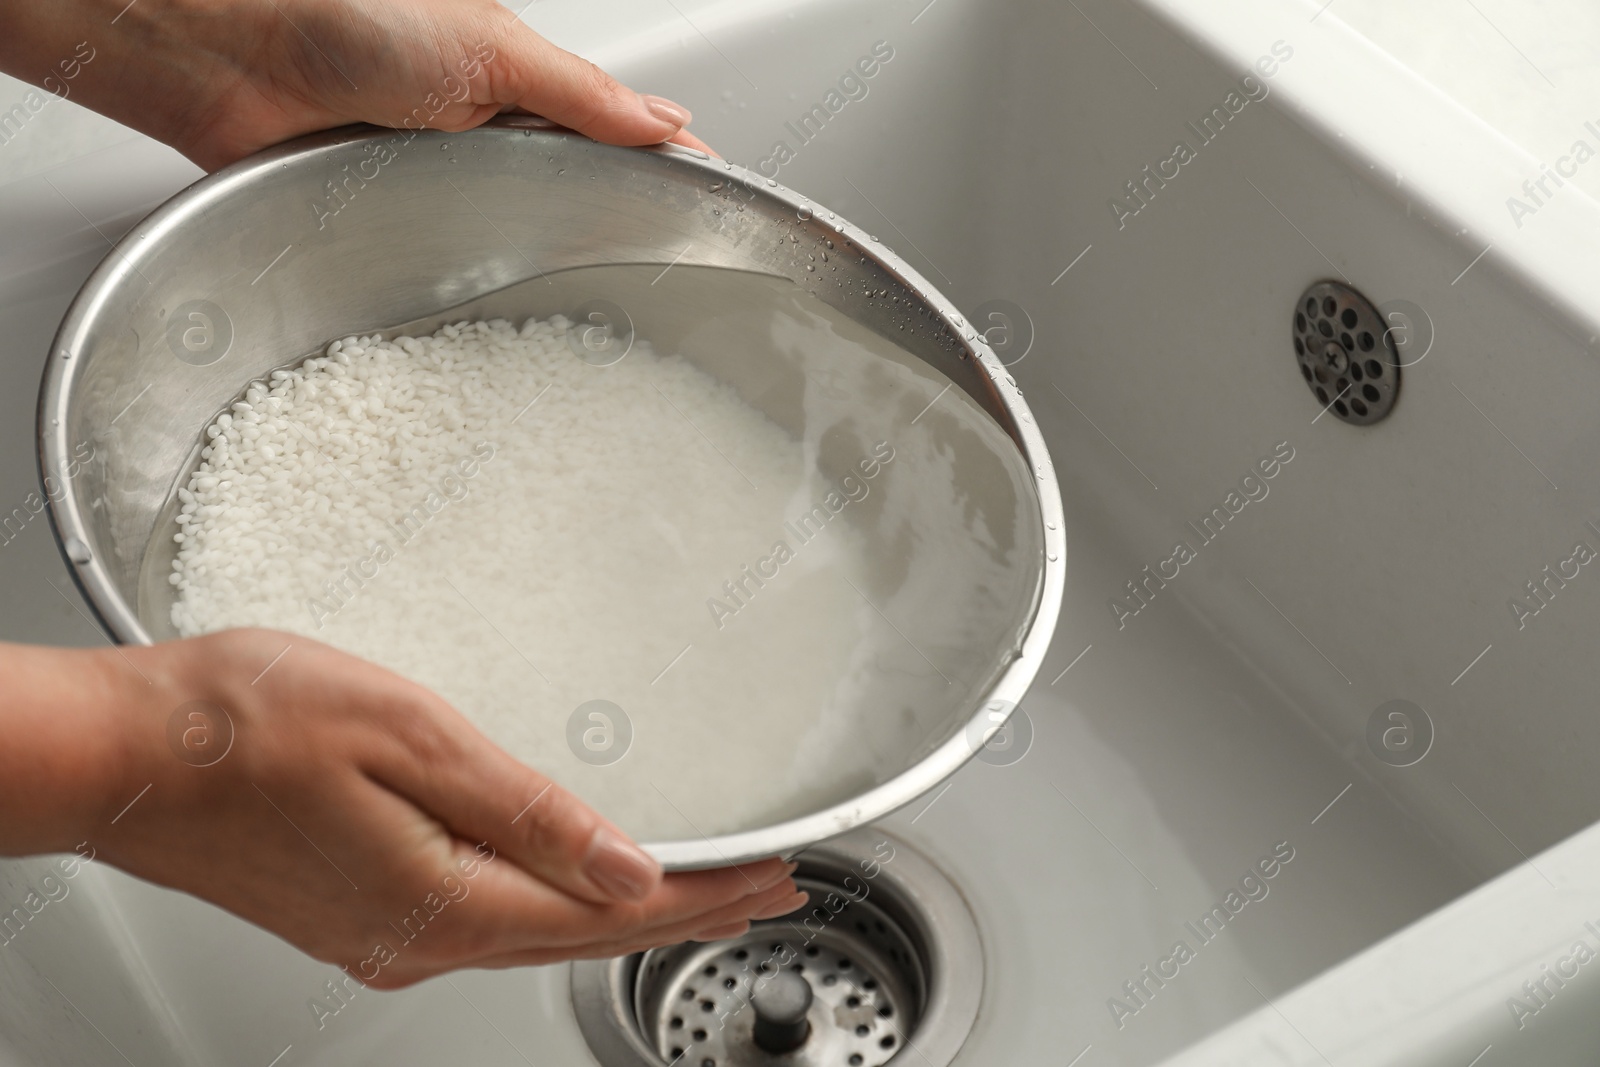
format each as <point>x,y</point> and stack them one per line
<point>362,233</point>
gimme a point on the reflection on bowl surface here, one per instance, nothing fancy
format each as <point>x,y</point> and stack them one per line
<point>707,507</point>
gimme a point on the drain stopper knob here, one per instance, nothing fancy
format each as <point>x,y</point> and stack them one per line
<point>781,1002</point>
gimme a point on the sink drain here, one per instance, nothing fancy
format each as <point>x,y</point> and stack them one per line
<point>718,1003</point>
<point>1346,354</point>
<point>886,959</point>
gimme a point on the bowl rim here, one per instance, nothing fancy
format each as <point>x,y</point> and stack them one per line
<point>122,625</point>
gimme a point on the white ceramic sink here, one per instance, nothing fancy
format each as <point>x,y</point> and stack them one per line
<point>1179,747</point>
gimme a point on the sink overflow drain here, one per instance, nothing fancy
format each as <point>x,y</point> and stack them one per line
<point>1345,353</point>
<point>885,958</point>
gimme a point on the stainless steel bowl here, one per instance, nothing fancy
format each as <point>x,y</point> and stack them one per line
<point>358,230</point>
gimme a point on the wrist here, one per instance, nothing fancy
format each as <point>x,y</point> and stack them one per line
<point>158,66</point>
<point>68,716</point>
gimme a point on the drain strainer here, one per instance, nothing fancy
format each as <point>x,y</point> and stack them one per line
<point>1346,354</point>
<point>850,994</point>
<point>885,959</point>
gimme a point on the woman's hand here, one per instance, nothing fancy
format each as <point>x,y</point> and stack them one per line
<point>220,79</point>
<point>347,810</point>
<point>353,813</point>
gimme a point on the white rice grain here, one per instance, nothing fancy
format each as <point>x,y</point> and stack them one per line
<point>523,532</point>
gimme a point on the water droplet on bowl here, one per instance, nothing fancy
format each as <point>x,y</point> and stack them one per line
<point>78,552</point>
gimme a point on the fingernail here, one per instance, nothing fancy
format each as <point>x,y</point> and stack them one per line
<point>619,867</point>
<point>667,111</point>
<point>773,879</point>
<point>784,906</point>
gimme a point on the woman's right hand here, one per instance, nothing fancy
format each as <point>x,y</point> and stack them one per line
<point>352,812</point>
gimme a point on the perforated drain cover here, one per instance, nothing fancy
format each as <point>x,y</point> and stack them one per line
<point>884,964</point>
<point>698,1004</point>
<point>1346,354</point>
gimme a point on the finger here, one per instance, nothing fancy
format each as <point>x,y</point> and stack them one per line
<point>689,140</point>
<point>722,933</point>
<point>468,120</point>
<point>414,966</point>
<point>551,834</point>
<point>606,950</point>
<point>517,911</point>
<point>773,905</point>
<point>564,88</point>
<point>779,900</point>
<point>510,911</point>
<point>455,774</point>
<point>407,972</point>
<point>479,932</point>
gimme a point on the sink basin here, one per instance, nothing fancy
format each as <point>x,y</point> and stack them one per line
<point>1191,731</point>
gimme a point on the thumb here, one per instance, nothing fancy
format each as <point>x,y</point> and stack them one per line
<point>552,82</point>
